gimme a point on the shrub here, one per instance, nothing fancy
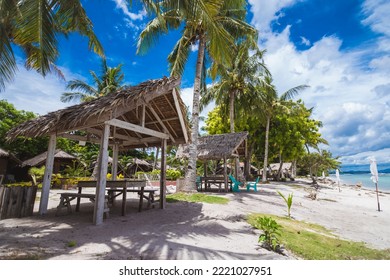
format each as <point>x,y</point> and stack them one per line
<point>173,174</point>
<point>288,201</point>
<point>271,232</point>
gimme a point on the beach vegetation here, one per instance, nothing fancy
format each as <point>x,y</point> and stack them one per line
<point>109,80</point>
<point>271,230</point>
<point>289,201</point>
<point>213,27</point>
<point>314,242</point>
<point>197,197</point>
<point>35,27</point>
<point>71,244</point>
<point>317,162</point>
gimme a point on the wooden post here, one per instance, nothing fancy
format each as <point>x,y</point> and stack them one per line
<point>163,181</point>
<point>114,168</point>
<point>47,176</point>
<point>102,178</point>
<point>225,175</point>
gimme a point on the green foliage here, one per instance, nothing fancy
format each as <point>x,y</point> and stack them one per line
<point>71,244</point>
<point>173,174</point>
<point>314,242</point>
<point>289,201</point>
<point>22,147</point>
<point>197,197</point>
<point>36,173</point>
<point>271,232</point>
<point>316,163</point>
<point>76,170</point>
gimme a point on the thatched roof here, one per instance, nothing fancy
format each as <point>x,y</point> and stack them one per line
<point>6,154</point>
<point>276,166</point>
<point>164,112</point>
<point>214,147</point>
<point>41,158</point>
<point>137,161</point>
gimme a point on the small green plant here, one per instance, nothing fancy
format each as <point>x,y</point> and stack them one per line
<point>271,231</point>
<point>36,174</point>
<point>288,201</point>
<point>71,243</point>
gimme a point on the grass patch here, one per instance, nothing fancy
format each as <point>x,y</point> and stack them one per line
<point>197,197</point>
<point>71,243</point>
<point>314,242</point>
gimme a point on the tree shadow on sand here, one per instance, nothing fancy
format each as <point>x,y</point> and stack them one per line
<point>172,233</point>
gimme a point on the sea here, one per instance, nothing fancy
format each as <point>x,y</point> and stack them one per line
<point>360,174</point>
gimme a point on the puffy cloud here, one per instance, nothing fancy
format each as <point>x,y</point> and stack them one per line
<point>344,84</point>
<point>122,4</point>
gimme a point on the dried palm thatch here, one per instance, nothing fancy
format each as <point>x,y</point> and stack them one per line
<point>162,109</point>
<point>215,147</point>
<point>41,158</point>
<point>6,154</point>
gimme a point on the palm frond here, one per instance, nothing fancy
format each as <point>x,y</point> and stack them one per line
<point>81,86</point>
<point>291,93</point>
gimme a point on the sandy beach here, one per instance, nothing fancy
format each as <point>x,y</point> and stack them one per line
<point>195,230</point>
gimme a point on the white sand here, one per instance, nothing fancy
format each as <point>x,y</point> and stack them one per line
<point>195,230</point>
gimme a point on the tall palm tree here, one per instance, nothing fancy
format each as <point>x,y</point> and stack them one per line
<point>236,79</point>
<point>213,25</point>
<point>34,26</point>
<point>269,102</point>
<point>110,80</point>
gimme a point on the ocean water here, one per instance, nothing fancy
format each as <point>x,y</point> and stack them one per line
<point>364,179</point>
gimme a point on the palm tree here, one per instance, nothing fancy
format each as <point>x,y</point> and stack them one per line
<point>213,25</point>
<point>269,102</point>
<point>109,81</point>
<point>237,79</point>
<point>34,26</point>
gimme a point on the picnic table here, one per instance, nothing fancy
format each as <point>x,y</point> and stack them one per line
<point>213,180</point>
<point>114,189</point>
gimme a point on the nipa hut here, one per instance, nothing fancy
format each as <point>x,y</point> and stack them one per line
<point>61,160</point>
<point>218,147</point>
<point>146,115</point>
<point>137,165</point>
<point>7,162</point>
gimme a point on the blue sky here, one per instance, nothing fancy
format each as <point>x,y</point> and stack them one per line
<point>341,49</point>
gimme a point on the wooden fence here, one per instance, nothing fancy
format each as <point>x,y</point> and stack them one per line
<point>17,202</point>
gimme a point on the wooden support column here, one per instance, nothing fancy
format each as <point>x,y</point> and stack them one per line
<point>114,168</point>
<point>102,178</point>
<point>47,176</point>
<point>225,176</point>
<point>163,177</point>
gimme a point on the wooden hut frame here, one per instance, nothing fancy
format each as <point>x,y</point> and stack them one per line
<point>218,147</point>
<point>147,115</point>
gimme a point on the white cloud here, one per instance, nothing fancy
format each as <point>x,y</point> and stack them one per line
<point>343,93</point>
<point>31,92</point>
<point>122,4</point>
<point>305,41</point>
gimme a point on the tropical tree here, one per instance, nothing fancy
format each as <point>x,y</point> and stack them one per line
<point>34,26</point>
<point>212,24</point>
<point>268,101</point>
<point>110,80</point>
<point>236,79</point>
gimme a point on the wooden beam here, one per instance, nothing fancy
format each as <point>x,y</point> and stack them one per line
<point>163,178</point>
<point>47,175</point>
<point>102,178</point>
<point>179,113</point>
<point>225,176</point>
<point>141,141</point>
<point>79,138</point>
<point>164,120</point>
<point>138,135</point>
<point>143,115</point>
<point>137,128</point>
<point>162,124</point>
<point>114,167</point>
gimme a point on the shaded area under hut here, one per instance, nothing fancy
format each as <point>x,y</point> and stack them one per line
<point>8,163</point>
<point>146,115</point>
<point>219,147</point>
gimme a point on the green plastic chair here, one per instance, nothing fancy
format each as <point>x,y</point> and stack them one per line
<point>253,185</point>
<point>198,183</point>
<point>236,184</point>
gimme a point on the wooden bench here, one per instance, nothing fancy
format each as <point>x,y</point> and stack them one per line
<point>66,198</point>
<point>149,195</point>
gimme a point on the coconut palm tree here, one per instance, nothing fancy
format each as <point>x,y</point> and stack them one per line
<point>268,101</point>
<point>211,24</point>
<point>110,80</point>
<point>34,26</point>
<point>236,79</point>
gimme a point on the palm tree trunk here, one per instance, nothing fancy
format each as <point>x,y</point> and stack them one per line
<point>193,146</point>
<point>266,150</point>
<point>231,111</point>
